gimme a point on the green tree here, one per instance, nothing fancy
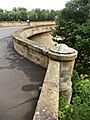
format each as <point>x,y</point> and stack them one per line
<point>73,25</point>
<point>32,15</point>
<point>21,14</point>
<point>51,15</point>
<point>1,10</point>
<point>14,9</point>
<point>21,9</point>
<point>1,15</point>
<point>6,15</point>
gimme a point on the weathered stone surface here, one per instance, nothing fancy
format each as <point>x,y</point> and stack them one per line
<point>60,61</point>
<point>62,52</point>
<point>47,108</point>
<point>66,56</point>
<point>30,31</point>
<point>65,84</point>
<point>32,55</point>
<point>25,23</point>
<point>30,49</point>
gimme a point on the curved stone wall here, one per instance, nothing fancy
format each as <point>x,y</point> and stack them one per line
<point>59,61</point>
<point>30,49</point>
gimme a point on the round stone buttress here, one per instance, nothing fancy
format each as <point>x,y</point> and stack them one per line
<point>62,52</point>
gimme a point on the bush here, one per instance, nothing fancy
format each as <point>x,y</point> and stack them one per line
<point>79,109</point>
<point>73,25</point>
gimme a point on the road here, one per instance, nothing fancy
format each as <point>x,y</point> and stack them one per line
<point>19,81</point>
<point>7,31</point>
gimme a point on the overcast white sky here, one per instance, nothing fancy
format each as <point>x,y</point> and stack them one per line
<point>30,4</point>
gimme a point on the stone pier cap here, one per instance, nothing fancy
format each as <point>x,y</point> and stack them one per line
<point>62,52</point>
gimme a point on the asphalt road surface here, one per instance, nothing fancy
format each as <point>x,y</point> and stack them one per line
<point>7,31</point>
<point>19,81</point>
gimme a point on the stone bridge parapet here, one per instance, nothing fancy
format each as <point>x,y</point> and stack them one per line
<point>59,61</point>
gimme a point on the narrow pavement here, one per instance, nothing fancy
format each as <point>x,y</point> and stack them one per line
<point>19,81</point>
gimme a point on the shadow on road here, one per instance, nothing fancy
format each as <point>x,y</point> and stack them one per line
<point>20,80</point>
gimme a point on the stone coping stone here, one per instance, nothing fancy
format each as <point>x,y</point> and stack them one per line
<point>62,52</point>
<point>57,52</point>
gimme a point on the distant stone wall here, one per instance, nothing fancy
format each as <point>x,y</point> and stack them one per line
<point>59,61</point>
<point>23,23</point>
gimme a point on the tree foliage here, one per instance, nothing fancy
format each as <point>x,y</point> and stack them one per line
<point>79,109</point>
<point>21,14</point>
<point>73,25</point>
